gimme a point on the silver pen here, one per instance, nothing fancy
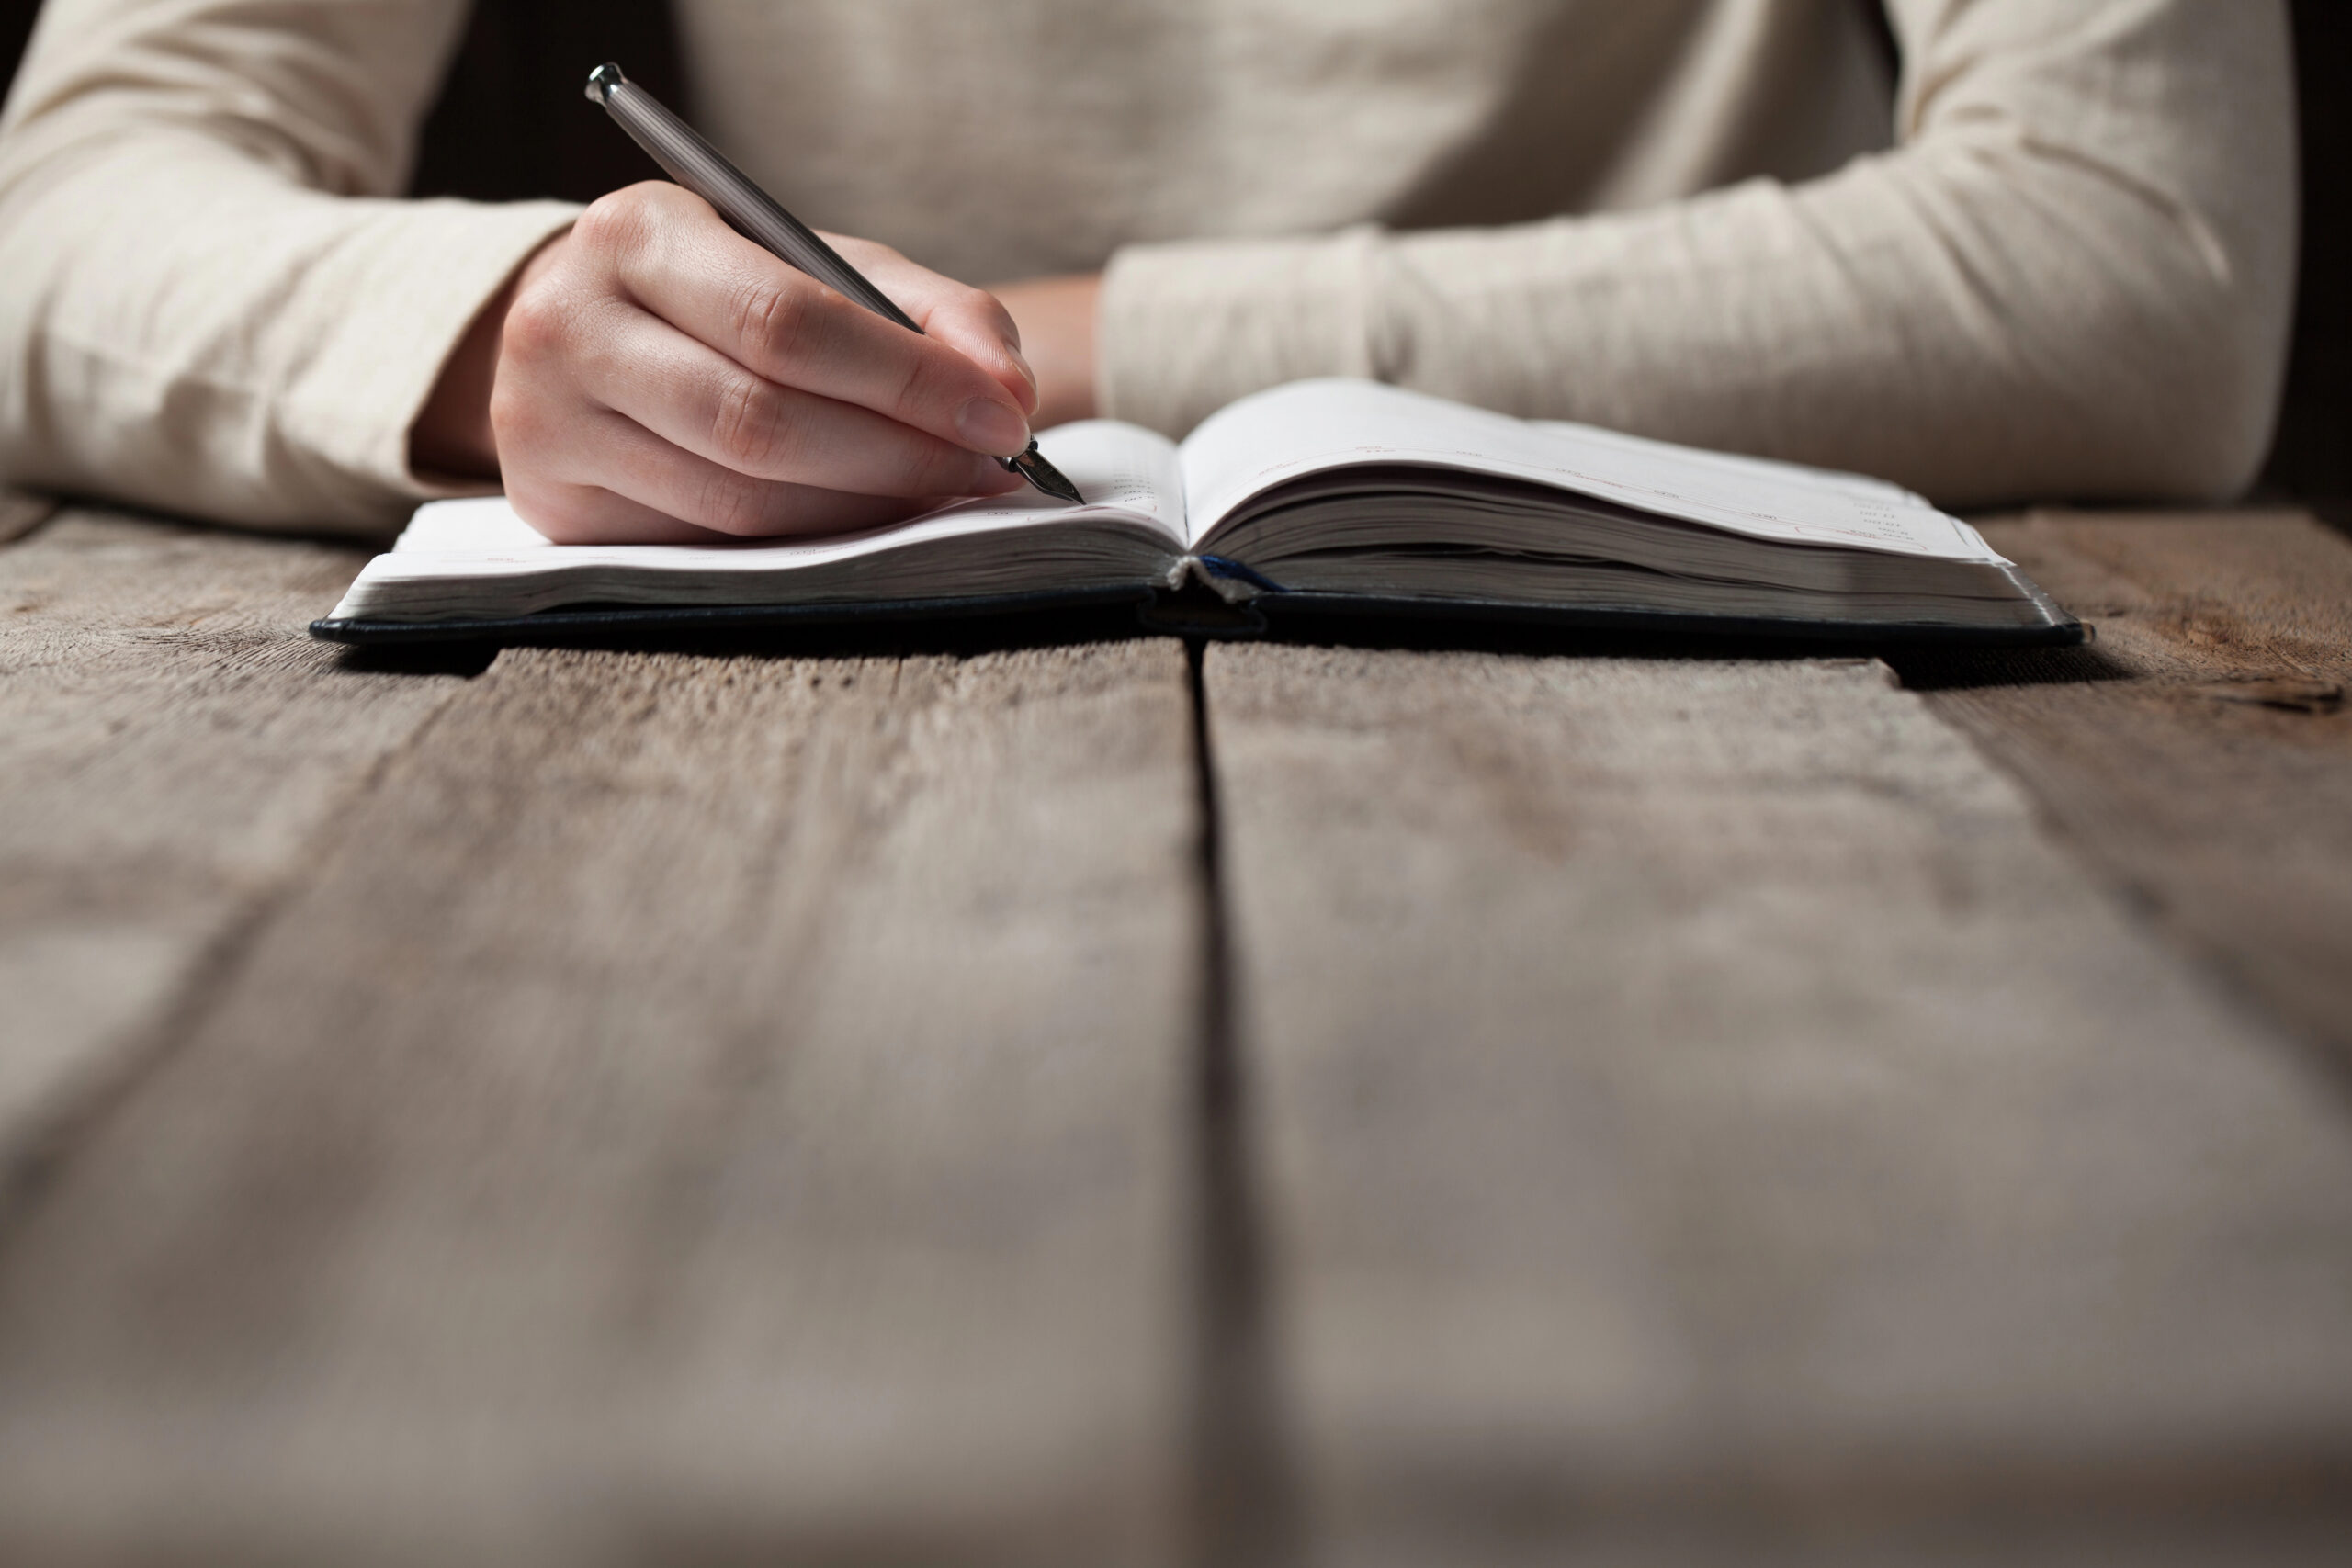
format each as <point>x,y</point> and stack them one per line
<point>695,164</point>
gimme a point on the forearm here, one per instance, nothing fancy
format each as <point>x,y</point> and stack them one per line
<point>452,437</point>
<point>2073,280</point>
<point>212,309</point>
<point>209,341</point>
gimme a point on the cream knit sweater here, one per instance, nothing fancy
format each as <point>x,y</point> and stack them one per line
<point>2054,259</point>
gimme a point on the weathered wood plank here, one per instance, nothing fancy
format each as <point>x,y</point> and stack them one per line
<point>2207,767</point>
<point>702,1111</point>
<point>171,742</point>
<point>1702,1120</point>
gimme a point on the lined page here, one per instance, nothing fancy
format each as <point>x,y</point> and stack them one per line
<point>1309,427</point>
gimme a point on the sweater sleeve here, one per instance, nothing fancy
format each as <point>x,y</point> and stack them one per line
<point>211,304</point>
<point>2071,276</point>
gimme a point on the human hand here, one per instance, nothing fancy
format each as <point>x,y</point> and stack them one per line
<point>1055,317</point>
<point>659,378</point>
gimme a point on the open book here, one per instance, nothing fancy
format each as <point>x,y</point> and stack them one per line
<point>1317,498</point>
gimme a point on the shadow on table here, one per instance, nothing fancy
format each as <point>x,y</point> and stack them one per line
<point>963,637</point>
<point>1945,669</point>
<point>1919,667</point>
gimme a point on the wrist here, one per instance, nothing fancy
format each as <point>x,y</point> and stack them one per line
<point>1056,317</point>
<point>452,437</point>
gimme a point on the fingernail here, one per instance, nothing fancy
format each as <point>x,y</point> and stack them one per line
<point>1020,364</point>
<point>991,426</point>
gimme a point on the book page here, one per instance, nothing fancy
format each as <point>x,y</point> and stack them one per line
<point>1122,469</point>
<point>1308,427</point>
<point>1127,474</point>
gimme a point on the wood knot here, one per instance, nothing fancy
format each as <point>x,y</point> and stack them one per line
<point>2292,694</point>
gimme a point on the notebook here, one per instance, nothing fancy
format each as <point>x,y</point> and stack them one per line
<point>1318,499</point>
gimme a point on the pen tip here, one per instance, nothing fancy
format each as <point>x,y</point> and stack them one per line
<point>1031,466</point>
<point>603,80</point>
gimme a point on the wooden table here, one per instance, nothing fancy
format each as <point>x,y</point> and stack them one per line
<point>1123,1102</point>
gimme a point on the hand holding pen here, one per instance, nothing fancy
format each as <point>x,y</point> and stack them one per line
<point>695,164</point>
<point>661,378</point>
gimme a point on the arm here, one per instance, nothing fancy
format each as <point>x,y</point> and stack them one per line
<point>2073,278</point>
<point>212,306</point>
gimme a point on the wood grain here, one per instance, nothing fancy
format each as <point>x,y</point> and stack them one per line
<point>1702,1120</point>
<point>171,745</point>
<point>2202,756</point>
<point>700,1110</point>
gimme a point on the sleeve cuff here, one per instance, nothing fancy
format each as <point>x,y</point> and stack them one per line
<point>1188,327</point>
<point>426,272</point>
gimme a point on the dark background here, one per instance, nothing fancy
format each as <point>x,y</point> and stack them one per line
<point>510,124</point>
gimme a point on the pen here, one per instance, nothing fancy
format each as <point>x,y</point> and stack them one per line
<point>695,164</point>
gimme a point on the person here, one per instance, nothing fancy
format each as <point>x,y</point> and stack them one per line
<point>2050,257</point>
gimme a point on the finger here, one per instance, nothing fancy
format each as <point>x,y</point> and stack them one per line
<point>591,514</point>
<point>618,455</point>
<point>971,320</point>
<point>695,398</point>
<point>680,263</point>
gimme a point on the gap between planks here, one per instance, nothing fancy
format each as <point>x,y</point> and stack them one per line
<point>1245,1489</point>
